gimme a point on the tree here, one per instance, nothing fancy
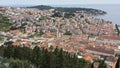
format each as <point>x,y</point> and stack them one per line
<point>42,58</point>
<point>37,57</point>
<point>45,59</point>
<point>18,63</point>
<point>4,22</point>
<point>19,53</point>
<point>52,60</point>
<point>69,15</point>
<point>1,50</point>
<point>59,59</point>
<point>67,33</point>
<point>102,63</point>
<point>9,51</point>
<point>118,63</point>
<point>57,14</point>
<point>118,31</point>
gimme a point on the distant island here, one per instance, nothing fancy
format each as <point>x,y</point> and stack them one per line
<point>87,11</point>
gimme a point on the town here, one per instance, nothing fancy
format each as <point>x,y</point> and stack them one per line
<point>87,37</point>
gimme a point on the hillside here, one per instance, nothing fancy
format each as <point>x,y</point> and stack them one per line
<point>89,11</point>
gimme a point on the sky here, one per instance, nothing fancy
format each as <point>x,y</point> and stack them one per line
<point>56,2</point>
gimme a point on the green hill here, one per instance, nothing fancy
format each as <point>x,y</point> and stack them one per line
<point>71,9</point>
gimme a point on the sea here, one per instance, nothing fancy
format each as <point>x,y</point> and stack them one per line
<point>113,11</point>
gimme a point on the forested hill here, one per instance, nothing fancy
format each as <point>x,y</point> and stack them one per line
<point>42,7</point>
<point>71,9</point>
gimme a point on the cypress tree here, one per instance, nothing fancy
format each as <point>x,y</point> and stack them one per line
<point>118,31</point>
<point>118,63</point>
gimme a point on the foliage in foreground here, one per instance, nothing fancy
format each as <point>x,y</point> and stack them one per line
<point>42,58</point>
<point>13,63</point>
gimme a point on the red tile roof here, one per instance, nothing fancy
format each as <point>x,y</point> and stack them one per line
<point>111,37</point>
<point>88,58</point>
<point>100,49</point>
<point>16,43</point>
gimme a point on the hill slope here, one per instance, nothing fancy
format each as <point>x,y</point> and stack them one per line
<point>90,11</point>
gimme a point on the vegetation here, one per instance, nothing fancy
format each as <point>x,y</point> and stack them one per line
<point>69,15</point>
<point>4,23</point>
<point>71,9</point>
<point>42,7</point>
<point>39,33</point>
<point>57,14</point>
<point>1,37</point>
<point>101,63</point>
<point>23,57</point>
<point>13,63</point>
<point>118,63</point>
<point>118,31</point>
<point>67,33</point>
<point>42,18</point>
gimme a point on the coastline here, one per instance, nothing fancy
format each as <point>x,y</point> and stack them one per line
<point>112,14</point>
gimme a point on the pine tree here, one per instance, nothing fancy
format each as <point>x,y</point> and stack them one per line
<point>9,51</point>
<point>36,56</point>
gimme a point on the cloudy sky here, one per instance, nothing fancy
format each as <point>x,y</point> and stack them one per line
<point>56,2</point>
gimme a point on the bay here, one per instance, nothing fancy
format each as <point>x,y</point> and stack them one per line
<point>113,11</point>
